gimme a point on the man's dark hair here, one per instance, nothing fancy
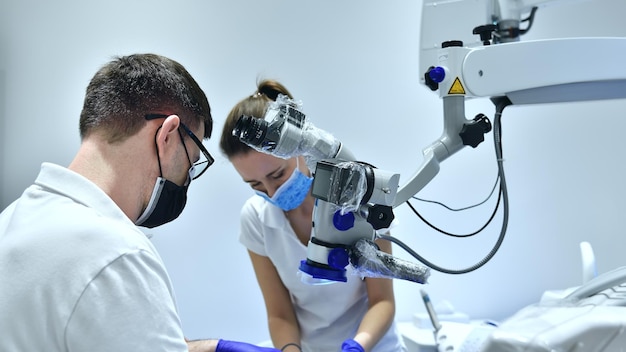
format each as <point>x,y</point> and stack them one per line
<point>127,88</point>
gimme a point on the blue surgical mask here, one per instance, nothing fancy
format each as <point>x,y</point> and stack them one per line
<point>291,193</point>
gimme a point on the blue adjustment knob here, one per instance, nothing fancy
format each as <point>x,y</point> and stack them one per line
<point>437,74</point>
<point>338,258</point>
<point>343,222</point>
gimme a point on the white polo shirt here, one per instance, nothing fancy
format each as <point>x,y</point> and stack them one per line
<point>77,275</point>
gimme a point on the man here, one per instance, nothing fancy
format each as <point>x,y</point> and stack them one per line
<point>76,273</point>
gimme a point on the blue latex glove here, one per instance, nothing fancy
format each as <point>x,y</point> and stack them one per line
<point>351,346</point>
<point>234,346</point>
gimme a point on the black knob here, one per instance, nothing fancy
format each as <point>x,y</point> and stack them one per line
<point>485,32</point>
<point>450,43</point>
<point>430,83</point>
<point>380,216</point>
<point>473,133</point>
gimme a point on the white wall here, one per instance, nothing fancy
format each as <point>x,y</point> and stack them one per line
<point>354,64</point>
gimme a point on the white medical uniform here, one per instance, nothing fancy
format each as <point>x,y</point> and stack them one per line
<point>327,314</point>
<point>77,275</point>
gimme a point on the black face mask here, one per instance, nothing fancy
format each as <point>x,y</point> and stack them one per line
<point>166,204</point>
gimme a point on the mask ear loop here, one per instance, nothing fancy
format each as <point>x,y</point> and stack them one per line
<point>156,146</point>
<point>298,163</point>
<point>298,167</point>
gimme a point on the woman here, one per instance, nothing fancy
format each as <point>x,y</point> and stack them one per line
<point>275,228</point>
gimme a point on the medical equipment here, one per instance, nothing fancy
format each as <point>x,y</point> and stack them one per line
<point>540,71</point>
<point>354,199</point>
<point>434,319</point>
<point>591,318</point>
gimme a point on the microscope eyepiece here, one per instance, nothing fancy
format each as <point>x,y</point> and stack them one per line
<point>256,132</point>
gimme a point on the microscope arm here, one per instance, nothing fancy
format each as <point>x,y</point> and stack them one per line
<point>449,143</point>
<point>534,72</point>
<point>426,172</point>
<point>543,71</point>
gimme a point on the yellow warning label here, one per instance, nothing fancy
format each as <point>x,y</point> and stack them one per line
<point>457,87</point>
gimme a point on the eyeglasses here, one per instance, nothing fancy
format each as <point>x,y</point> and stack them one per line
<point>206,160</point>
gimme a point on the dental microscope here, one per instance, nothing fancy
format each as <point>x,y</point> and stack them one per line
<point>355,200</point>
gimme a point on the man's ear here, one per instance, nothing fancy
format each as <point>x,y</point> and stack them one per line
<point>168,133</point>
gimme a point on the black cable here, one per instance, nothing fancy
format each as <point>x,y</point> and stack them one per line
<point>495,184</point>
<point>530,19</point>
<point>501,103</point>
<point>493,214</point>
